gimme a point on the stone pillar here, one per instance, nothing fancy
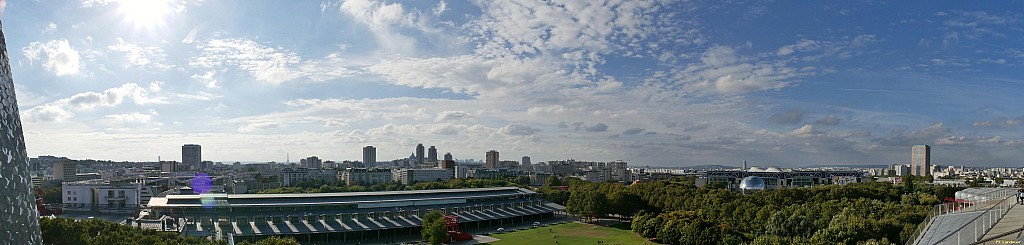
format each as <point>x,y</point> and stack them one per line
<point>19,219</point>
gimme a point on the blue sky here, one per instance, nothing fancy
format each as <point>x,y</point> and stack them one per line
<point>665,83</point>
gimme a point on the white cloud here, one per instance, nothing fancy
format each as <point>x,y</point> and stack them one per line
<point>57,56</point>
<point>384,20</point>
<point>802,45</point>
<point>134,117</point>
<point>264,63</point>
<point>722,71</point>
<point>267,64</point>
<point>260,127</point>
<point>517,129</point>
<point>52,27</point>
<point>552,109</point>
<point>530,27</point>
<point>156,86</point>
<point>475,75</point>
<point>452,116</point>
<point>135,55</point>
<point>805,131</point>
<point>441,8</point>
<point>62,109</point>
<point>95,3</point>
<point>207,79</point>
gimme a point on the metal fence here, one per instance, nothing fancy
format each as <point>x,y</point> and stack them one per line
<point>985,215</point>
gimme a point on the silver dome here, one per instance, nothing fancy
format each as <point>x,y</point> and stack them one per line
<point>752,183</point>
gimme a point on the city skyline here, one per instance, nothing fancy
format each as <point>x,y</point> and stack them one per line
<point>649,82</point>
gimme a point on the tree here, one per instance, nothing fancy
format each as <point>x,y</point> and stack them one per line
<point>625,203</point>
<point>908,183</point>
<point>646,224</point>
<point>94,231</point>
<point>434,230</point>
<point>587,200</point>
<point>553,181</point>
<point>52,195</point>
<point>522,180</point>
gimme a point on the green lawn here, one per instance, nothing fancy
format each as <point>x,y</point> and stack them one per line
<point>571,233</point>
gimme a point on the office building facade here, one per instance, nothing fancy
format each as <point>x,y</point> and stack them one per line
<point>432,154</point>
<point>192,157</point>
<point>921,160</point>
<point>419,154</point>
<point>369,155</point>
<point>65,171</point>
<point>491,160</point>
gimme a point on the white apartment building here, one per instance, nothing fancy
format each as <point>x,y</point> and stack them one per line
<point>409,176</point>
<point>104,196</point>
<point>366,177</point>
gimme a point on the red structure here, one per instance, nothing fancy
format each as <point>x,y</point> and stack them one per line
<point>41,205</point>
<point>454,233</point>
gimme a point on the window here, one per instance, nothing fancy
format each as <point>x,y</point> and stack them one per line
<point>121,194</point>
<point>110,193</point>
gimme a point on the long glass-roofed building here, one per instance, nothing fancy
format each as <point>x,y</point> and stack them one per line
<point>347,216</point>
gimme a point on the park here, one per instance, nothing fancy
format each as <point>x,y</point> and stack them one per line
<point>572,233</point>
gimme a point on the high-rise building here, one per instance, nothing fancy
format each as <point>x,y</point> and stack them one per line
<point>192,157</point>
<point>419,154</point>
<point>492,161</point>
<point>448,156</point>
<point>432,154</point>
<point>19,219</point>
<point>65,171</point>
<point>526,161</point>
<point>369,155</point>
<point>921,160</point>
<point>312,162</point>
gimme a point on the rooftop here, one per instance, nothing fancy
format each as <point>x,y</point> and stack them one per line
<point>332,198</point>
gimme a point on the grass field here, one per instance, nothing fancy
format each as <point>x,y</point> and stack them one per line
<point>571,233</point>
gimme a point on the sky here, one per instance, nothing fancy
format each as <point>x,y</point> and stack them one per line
<point>651,82</point>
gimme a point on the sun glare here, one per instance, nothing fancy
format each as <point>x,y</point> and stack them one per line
<point>145,13</point>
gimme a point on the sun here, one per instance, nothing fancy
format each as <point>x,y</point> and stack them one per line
<point>146,13</point>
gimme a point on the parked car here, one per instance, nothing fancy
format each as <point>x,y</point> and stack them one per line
<point>535,224</point>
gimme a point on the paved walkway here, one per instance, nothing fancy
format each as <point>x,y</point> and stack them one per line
<point>951,226</point>
<point>1013,220</point>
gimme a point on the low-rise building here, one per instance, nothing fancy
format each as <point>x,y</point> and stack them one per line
<point>365,176</point>
<point>348,217</point>
<point>102,196</point>
<point>291,176</point>
<point>776,178</point>
<point>409,176</point>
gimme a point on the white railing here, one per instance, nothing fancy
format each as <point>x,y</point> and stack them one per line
<point>997,204</point>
